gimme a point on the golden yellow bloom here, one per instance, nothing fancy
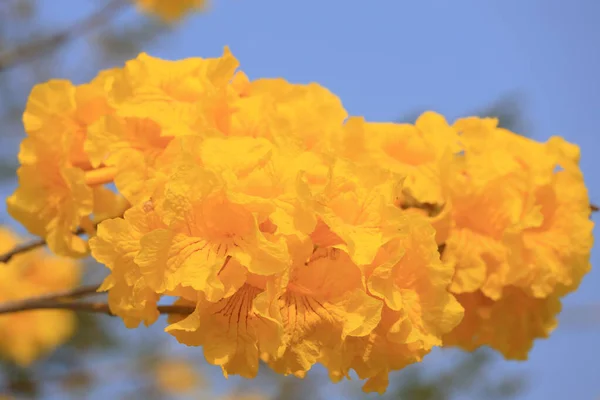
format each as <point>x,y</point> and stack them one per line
<point>296,236</point>
<point>357,207</point>
<point>185,97</point>
<point>318,310</point>
<point>408,275</point>
<point>26,336</point>
<point>418,152</point>
<point>303,116</point>
<point>421,156</point>
<point>521,235</point>
<point>58,188</point>
<point>509,325</point>
<point>295,317</point>
<point>170,10</point>
<point>116,245</point>
<point>518,220</point>
<point>133,147</point>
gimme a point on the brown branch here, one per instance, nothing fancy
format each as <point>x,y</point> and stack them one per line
<point>49,298</point>
<point>6,257</point>
<point>63,300</point>
<point>594,208</point>
<point>98,308</point>
<point>29,51</point>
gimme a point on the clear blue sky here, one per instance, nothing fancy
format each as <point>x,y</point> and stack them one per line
<point>388,58</point>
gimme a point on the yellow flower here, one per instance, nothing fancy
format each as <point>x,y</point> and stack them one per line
<point>554,255</point>
<point>25,336</point>
<point>421,157</point>
<point>134,147</point>
<point>518,221</point>
<point>357,206</point>
<point>419,152</point>
<point>319,310</point>
<point>186,97</point>
<point>408,275</point>
<point>58,188</point>
<point>116,245</point>
<point>297,237</point>
<point>521,236</point>
<point>230,331</point>
<point>307,117</point>
<point>170,10</point>
<point>509,325</point>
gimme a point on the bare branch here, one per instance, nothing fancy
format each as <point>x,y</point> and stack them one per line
<point>98,308</point>
<point>63,300</point>
<point>50,298</point>
<point>29,51</point>
<point>4,258</point>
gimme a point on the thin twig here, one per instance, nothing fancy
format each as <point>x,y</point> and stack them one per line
<point>98,308</point>
<point>81,291</point>
<point>29,51</point>
<point>594,208</point>
<point>49,298</point>
<point>4,258</point>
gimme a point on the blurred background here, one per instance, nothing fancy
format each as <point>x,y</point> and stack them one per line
<point>535,64</point>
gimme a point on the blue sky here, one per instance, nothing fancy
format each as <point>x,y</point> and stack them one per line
<point>389,58</point>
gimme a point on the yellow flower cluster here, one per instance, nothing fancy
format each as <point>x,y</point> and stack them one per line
<point>26,336</point>
<point>295,234</point>
<point>169,10</point>
<point>521,235</point>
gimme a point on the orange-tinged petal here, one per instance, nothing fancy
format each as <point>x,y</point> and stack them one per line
<point>509,325</point>
<point>230,332</point>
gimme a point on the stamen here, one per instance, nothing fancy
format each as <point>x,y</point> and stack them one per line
<point>83,164</point>
<point>88,226</point>
<point>100,176</point>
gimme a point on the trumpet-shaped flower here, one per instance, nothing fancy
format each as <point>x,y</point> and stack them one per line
<point>186,97</point>
<point>509,325</point>
<point>57,184</point>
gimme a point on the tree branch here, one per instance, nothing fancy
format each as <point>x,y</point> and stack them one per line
<point>50,298</point>
<point>4,258</point>
<point>98,308</point>
<point>63,301</point>
<point>29,51</point>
